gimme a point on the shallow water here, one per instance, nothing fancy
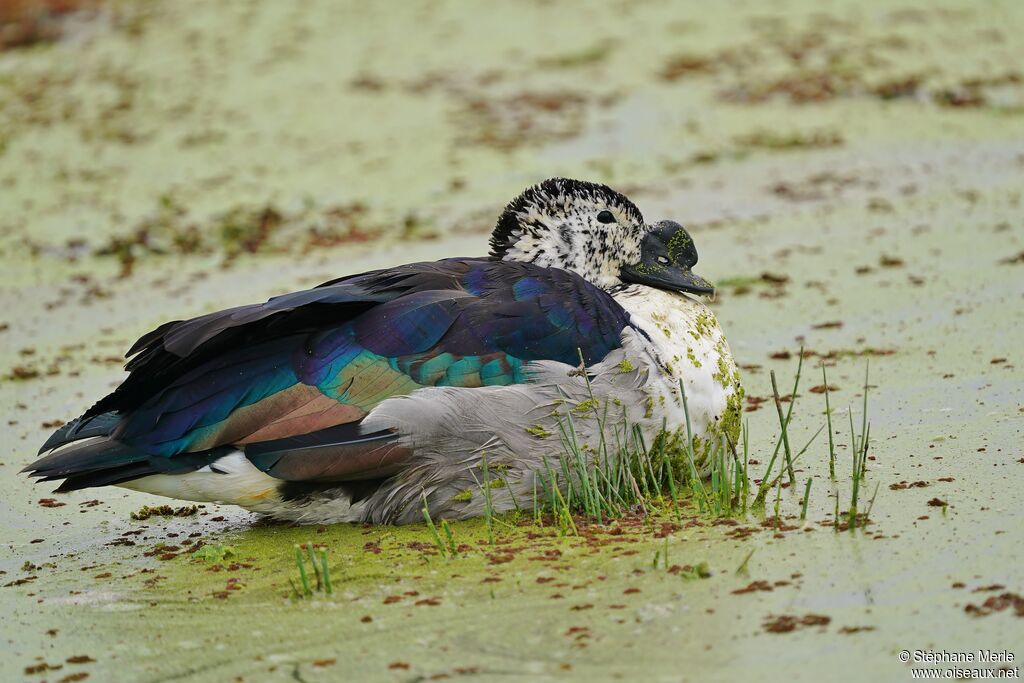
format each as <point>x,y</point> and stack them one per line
<point>899,232</point>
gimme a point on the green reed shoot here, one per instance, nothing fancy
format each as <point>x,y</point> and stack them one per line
<point>696,485</point>
<point>871,503</point>
<point>744,568</point>
<point>488,498</point>
<point>864,426</point>
<point>441,550</point>
<point>313,563</point>
<point>860,457</point>
<point>317,557</point>
<point>450,537</point>
<point>828,418</point>
<point>745,494</point>
<point>778,498</point>
<point>783,424</point>
<point>302,571</point>
<point>767,483</point>
<point>325,570</point>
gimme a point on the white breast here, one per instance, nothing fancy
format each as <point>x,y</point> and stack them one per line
<point>688,345</point>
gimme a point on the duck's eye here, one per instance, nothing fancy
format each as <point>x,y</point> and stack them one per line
<point>605,217</point>
<point>663,260</point>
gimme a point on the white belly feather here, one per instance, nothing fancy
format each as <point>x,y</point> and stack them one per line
<point>688,345</point>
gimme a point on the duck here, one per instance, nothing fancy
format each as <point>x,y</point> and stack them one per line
<point>373,396</point>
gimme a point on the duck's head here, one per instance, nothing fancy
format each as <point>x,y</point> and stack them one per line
<point>597,232</point>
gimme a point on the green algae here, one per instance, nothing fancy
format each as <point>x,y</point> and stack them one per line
<point>463,496</point>
<point>215,553</point>
<point>732,419</point>
<point>539,431</point>
<point>704,324</point>
<point>585,406</point>
<point>677,246</point>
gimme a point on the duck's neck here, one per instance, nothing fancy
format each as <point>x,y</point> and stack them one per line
<point>580,252</point>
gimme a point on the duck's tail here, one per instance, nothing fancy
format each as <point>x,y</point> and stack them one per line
<point>82,428</point>
<point>84,453</point>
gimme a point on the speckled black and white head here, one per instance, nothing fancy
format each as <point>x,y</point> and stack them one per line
<point>572,224</point>
<point>597,232</point>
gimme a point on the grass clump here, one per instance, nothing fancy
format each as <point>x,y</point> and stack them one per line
<point>623,472</point>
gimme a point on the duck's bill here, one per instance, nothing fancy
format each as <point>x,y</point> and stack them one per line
<point>673,279</point>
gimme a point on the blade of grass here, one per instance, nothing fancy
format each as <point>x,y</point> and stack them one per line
<point>785,431</point>
<point>452,547</point>
<point>433,529</point>
<point>746,464</point>
<point>302,571</point>
<point>328,588</point>
<point>864,415</point>
<point>766,481</point>
<point>744,569</point>
<point>488,503</point>
<point>695,482</point>
<point>855,491</point>
<point>807,497</point>
<point>767,484</point>
<point>316,568</point>
<point>871,503</point>
<point>828,418</point>
<point>778,500</point>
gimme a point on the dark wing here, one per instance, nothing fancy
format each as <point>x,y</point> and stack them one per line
<point>288,381</point>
